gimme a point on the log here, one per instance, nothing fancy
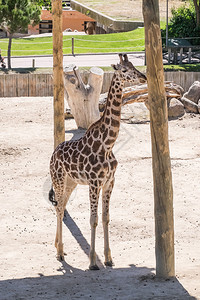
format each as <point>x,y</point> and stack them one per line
<point>58,86</point>
<point>162,177</point>
<point>83,99</point>
<point>139,93</point>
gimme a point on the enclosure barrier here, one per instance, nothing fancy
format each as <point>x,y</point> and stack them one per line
<point>26,85</point>
<point>73,45</point>
<point>80,45</point>
<point>41,85</point>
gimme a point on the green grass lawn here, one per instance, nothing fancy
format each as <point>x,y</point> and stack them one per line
<point>131,41</point>
<point>102,43</point>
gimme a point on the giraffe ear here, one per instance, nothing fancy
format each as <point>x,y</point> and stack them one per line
<point>121,58</point>
<point>114,67</point>
<point>125,57</point>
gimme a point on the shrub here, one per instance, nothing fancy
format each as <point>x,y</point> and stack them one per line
<point>183,24</point>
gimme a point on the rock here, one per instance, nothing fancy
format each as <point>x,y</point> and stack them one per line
<point>175,109</point>
<point>135,113</point>
<point>190,106</point>
<point>68,30</point>
<point>199,106</point>
<point>193,93</point>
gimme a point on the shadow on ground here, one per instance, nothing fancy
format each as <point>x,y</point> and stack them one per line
<point>18,70</point>
<point>131,283</point>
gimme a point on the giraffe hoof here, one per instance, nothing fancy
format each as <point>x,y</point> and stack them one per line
<point>94,268</point>
<point>60,257</point>
<point>109,263</point>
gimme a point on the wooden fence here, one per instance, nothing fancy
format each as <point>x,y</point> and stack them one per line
<point>184,79</point>
<point>41,85</point>
<point>26,85</point>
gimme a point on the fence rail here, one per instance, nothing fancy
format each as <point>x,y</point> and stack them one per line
<point>72,45</point>
<point>81,44</point>
<point>41,85</point>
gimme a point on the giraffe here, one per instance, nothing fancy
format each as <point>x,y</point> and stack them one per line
<point>90,161</point>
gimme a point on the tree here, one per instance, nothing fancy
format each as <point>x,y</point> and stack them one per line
<point>15,16</point>
<point>183,24</point>
<point>47,3</point>
<point>197,9</point>
<point>44,3</point>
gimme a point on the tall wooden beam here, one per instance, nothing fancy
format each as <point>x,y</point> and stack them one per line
<point>163,193</point>
<point>58,90</point>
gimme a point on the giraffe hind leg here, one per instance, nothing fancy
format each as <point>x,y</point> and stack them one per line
<point>61,198</point>
<point>57,197</point>
<point>70,186</point>
<point>60,214</point>
<point>106,193</point>
<point>58,241</point>
<point>94,197</point>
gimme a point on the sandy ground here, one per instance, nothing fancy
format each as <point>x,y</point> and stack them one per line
<point>129,9</point>
<point>28,265</point>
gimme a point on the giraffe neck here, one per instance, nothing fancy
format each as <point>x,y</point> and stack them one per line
<point>110,122</point>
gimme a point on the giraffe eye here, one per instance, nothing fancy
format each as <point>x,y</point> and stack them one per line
<point>124,70</point>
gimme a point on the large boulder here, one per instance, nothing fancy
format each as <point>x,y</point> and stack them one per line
<point>175,109</point>
<point>190,106</point>
<point>193,93</point>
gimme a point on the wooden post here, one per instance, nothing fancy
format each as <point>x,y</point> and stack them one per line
<point>181,56</point>
<point>58,89</point>
<point>190,55</point>
<point>169,55</point>
<point>163,193</point>
<point>33,63</point>
<point>73,46</point>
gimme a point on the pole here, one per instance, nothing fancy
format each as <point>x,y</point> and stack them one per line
<point>167,25</point>
<point>73,46</point>
<point>163,193</point>
<point>33,63</point>
<point>58,89</point>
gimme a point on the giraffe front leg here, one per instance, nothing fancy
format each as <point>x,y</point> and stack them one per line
<point>106,193</point>
<point>94,197</point>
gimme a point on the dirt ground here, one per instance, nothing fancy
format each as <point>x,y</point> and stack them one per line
<point>130,9</point>
<point>28,265</point>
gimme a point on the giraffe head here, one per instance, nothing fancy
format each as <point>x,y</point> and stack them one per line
<point>127,71</point>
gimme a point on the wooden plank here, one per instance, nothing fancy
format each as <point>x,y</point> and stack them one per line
<point>163,192</point>
<point>32,85</point>
<point>2,83</point>
<point>50,85</point>
<point>22,85</point>
<point>40,85</point>
<point>10,86</point>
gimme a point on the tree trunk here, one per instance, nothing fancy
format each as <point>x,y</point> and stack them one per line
<point>83,99</point>
<point>163,193</point>
<point>197,9</point>
<point>9,50</point>
<point>58,90</point>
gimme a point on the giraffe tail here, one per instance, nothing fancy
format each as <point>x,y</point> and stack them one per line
<point>52,197</point>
